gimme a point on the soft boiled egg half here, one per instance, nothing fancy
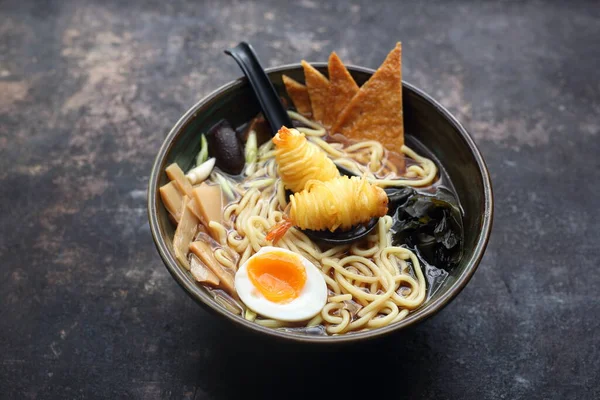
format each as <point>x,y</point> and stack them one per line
<point>280,284</point>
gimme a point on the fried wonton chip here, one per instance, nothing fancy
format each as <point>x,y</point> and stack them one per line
<point>342,89</point>
<point>375,112</point>
<point>318,90</point>
<point>299,95</point>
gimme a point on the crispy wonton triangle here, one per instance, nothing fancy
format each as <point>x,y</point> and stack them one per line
<point>318,90</point>
<point>299,95</point>
<point>375,113</point>
<point>342,89</point>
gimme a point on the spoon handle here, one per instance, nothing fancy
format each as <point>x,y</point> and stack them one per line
<point>268,98</point>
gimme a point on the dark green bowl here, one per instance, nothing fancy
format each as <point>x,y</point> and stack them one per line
<point>424,118</point>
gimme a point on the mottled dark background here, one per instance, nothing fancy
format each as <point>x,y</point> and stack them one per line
<point>88,91</point>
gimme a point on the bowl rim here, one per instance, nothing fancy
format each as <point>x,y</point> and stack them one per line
<point>202,296</point>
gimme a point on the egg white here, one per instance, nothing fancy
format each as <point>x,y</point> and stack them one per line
<point>310,301</point>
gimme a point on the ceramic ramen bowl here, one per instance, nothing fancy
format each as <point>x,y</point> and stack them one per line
<point>424,119</point>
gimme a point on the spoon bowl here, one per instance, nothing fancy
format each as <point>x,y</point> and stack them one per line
<point>339,237</point>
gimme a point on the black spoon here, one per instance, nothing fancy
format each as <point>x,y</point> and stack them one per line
<point>277,116</point>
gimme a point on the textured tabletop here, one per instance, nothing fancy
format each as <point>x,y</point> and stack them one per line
<point>88,91</point>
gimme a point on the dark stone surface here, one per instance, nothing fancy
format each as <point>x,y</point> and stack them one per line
<point>88,90</point>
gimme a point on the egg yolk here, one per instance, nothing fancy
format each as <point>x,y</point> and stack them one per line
<point>279,276</point>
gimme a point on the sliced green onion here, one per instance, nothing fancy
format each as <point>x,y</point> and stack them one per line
<point>250,315</point>
<point>203,154</point>
<point>259,183</point>
<point>225,186</point>
<point>201,172</point>
<point>265,148</point>
<point>251,150</point>
<point>251,153</point>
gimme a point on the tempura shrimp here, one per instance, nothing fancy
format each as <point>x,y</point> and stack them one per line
<point>340,203</point>
<point>299,161</point>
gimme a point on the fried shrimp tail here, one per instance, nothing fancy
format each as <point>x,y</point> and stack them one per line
<point>299,161</point>
<point>279,230</point>
<point>339,203</point>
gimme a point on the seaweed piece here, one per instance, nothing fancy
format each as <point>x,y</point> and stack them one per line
<point>434,276</point>
<point>398,196</point>
<point>431,224</point>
